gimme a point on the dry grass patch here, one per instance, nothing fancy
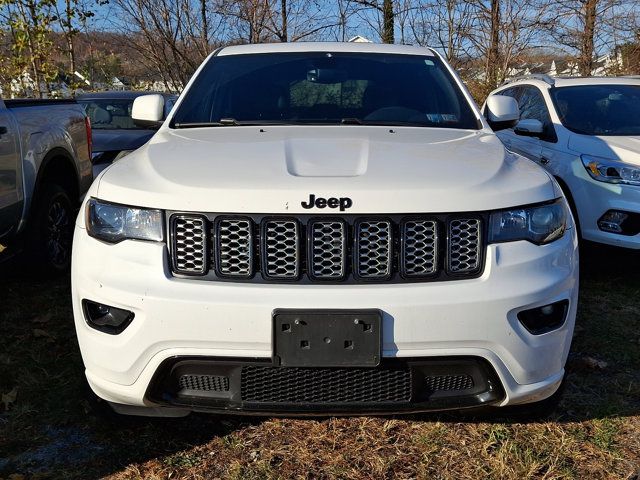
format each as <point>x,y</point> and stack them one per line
<point>50,430</point>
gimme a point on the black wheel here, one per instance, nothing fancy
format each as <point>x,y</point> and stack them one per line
<point>51,230</point>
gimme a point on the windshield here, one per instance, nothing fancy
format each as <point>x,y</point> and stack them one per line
<point>325,88</point>
<point>109,114</point>
<point>599,109</point>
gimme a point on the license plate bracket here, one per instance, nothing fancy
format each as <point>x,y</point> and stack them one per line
<point>327,338</point>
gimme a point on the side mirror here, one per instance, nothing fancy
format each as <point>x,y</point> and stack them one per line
<point>148,111</point>
<point>502,112</point>
<point>529,127</point>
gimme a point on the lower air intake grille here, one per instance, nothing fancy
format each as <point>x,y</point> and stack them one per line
<point>325,385</point>
<point>204,383</point>
<point>441,383</point>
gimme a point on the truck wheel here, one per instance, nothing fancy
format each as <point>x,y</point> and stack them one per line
<point>51,231</point>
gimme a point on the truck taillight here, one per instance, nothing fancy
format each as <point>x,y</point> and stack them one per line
<point>87,126</point>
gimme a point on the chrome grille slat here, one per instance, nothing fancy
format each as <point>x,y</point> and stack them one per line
<point>328,249</point>
<point>305,248</point>
<point>420,248</point>
<point>464,245</point>
<point>281,249</point>
<point>234,247</point>
<point>373,249</point>
<point>189,244</point>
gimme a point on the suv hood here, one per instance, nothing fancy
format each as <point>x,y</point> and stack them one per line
<point>274,169</point>
<point>622,148</point>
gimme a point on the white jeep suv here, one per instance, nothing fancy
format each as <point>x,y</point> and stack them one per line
<point>323,228</point>
<point>586,133</point>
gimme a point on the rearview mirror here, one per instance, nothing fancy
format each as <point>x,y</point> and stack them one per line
<point>502,112</point>
<point>529,127</point>
<point>148,111</point>
<point>326,75</point>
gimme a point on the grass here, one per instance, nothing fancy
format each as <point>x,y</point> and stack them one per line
<point>50,429</point>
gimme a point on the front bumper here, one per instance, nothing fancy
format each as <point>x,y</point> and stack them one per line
<point>593,199</point>
<point>182,318</point>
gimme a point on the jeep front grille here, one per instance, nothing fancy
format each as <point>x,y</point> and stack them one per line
<point>328,252</point>
<point>313,248</point>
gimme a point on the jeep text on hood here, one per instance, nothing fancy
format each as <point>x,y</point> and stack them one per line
<point>323,228</point>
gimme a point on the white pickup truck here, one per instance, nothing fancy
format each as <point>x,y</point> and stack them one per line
<point>324,228</point>
<point>45,168</point>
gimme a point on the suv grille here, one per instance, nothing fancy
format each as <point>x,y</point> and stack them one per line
<point>313,248</point>
<point>325,385</point>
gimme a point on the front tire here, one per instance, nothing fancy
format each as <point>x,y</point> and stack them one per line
<point>51,230</point>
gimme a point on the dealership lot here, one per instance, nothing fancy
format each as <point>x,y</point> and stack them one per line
<point>48,428</point>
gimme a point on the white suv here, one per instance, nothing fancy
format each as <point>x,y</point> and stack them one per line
<point>324,228</point>
<point>586,133</point>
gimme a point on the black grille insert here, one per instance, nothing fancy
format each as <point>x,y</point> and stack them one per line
<point>204,383</point>
<point>314,248</point>
<point>447,383</point>
<point>281,385</point>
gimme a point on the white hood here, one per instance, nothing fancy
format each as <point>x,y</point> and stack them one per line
<point>622,148</point>
<point>274,169</point>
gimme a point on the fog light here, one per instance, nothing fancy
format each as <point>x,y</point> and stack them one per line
<point>544,319</point>
<point>106,318</point>
<point>612,221</point>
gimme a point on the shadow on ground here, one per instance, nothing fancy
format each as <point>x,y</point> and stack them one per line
<point>51,429</point>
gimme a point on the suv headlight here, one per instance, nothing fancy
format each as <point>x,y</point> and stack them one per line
<point>611,171</point>
<point>113,223</point>
<point>538,224</point>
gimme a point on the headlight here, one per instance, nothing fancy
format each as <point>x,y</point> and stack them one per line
<point>538,224</point>
<point>611,171</point>
<point>113,223</point>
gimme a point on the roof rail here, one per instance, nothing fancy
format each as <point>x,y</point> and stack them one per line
<point>534,76</point>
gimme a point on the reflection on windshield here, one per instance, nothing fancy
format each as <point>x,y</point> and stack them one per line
<point>599,109</point>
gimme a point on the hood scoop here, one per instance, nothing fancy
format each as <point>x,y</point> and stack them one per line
<point>309,157</point>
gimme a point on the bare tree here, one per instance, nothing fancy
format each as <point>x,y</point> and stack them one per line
<point>443,24</point>
<point>583,28</point>
<point>295,20</point>
<point>384,10</point>
<point>30,30</point>
<point>170,34</point>
<point>502,30</point>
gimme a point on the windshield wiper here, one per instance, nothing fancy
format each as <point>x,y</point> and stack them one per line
<point>351,121</point>
<point>232,122</point>
<point>197,124</point>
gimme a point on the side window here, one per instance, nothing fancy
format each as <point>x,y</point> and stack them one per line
<point>532,105</point>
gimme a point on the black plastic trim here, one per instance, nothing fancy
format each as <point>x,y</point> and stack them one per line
<point>163,391</point>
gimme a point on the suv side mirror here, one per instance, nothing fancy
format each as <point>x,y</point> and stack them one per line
<point>502,112</point>
<point>148,111</point>
<point>529,127</point>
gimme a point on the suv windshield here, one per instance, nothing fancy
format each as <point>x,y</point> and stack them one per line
<point>325,88</point>
<point>599,109</point>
